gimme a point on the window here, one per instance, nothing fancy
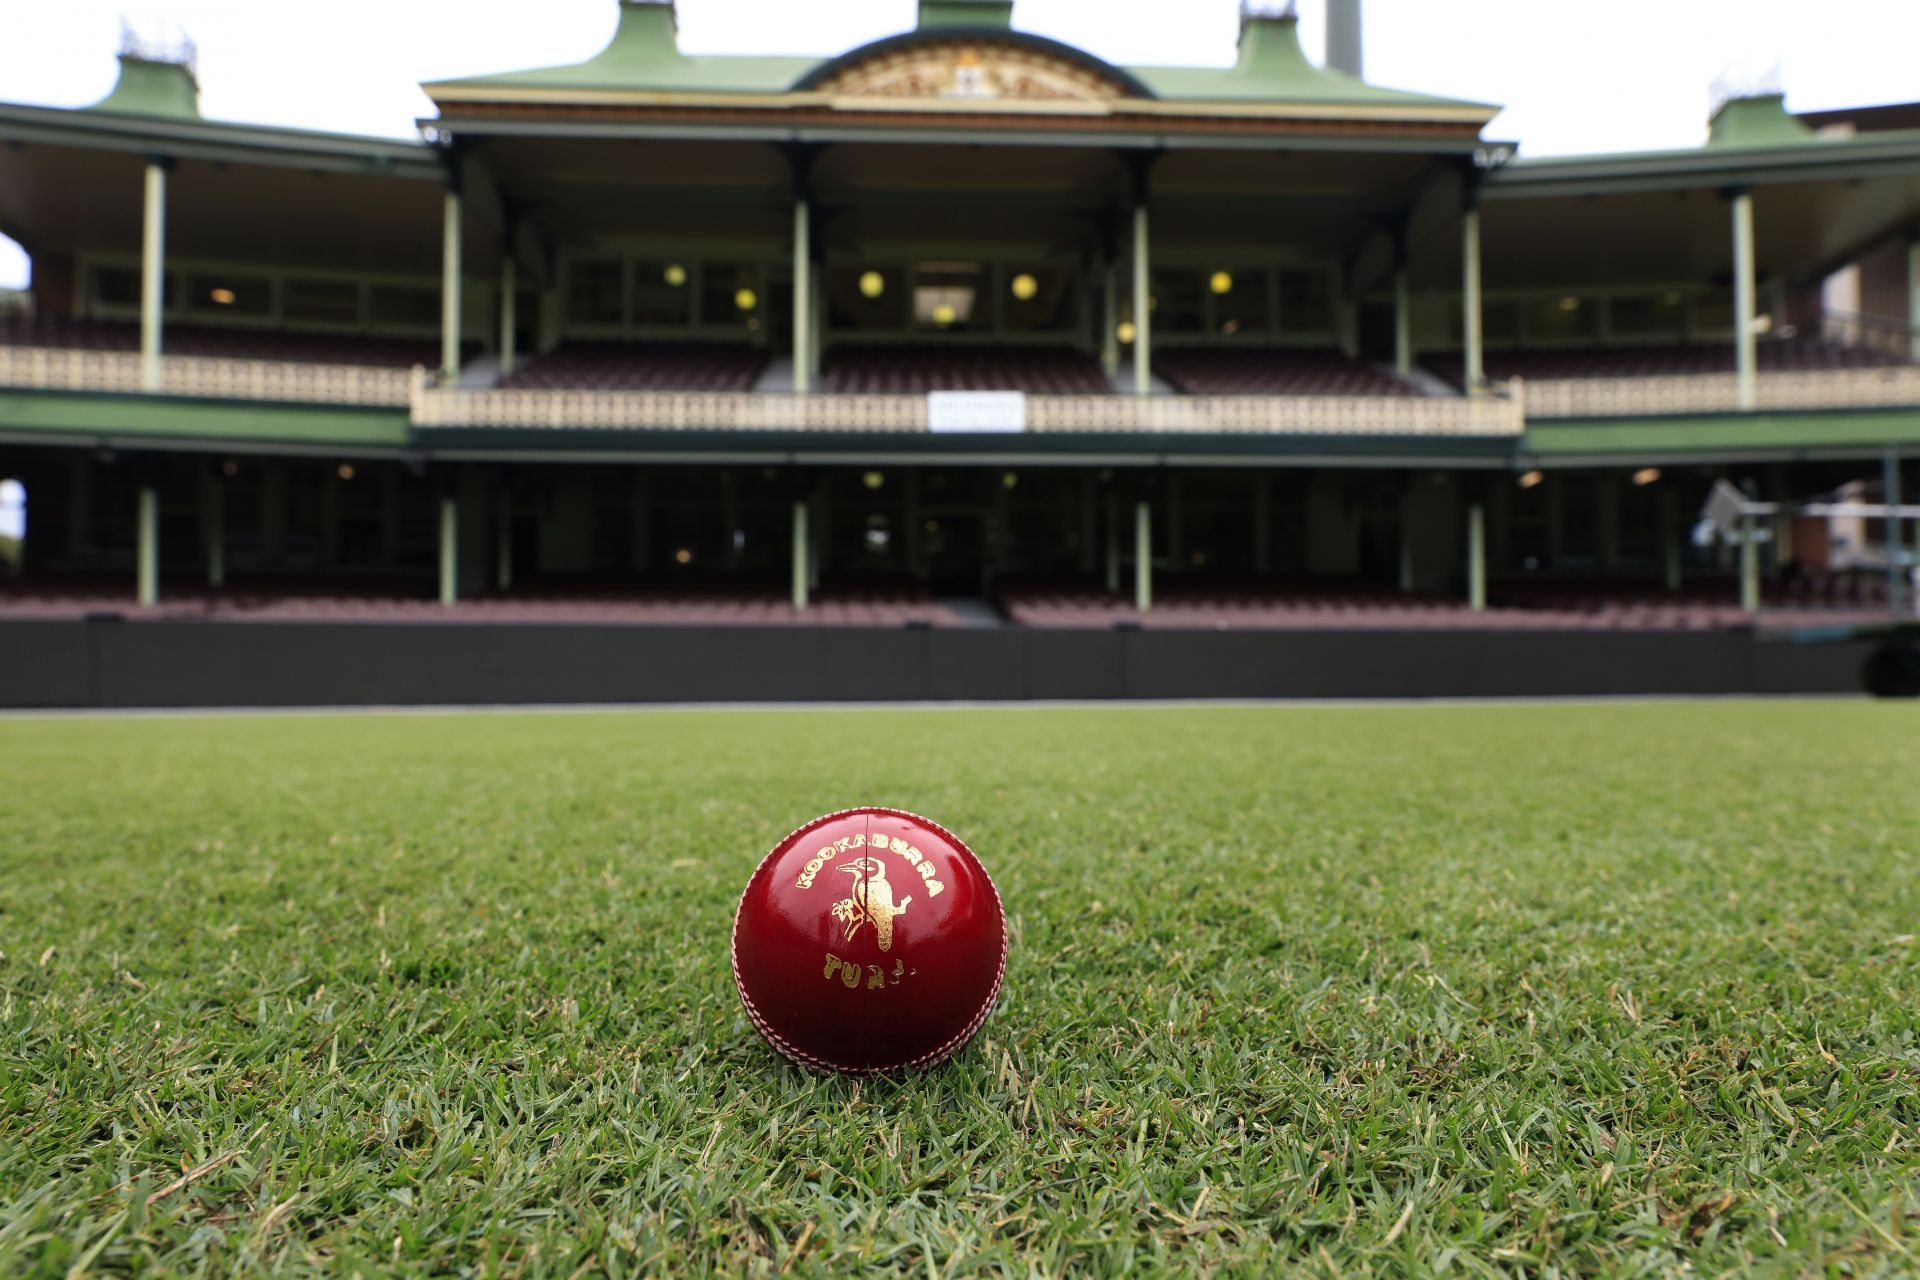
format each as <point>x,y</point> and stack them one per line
<point>1179,300</point>
<point>219,294</point>
<point>403,304</point>
<point>948,296</point>
<point>1559,319</point>
<point>1038,299</point>
<point>867,298</point>
<point>321,301</point>
<point>120,286</point>
<point>1306,303</point>
<point>1663,313</point>
<point>731,296</point>
<point>1239,302</point>
<point>662,292</point>
<point>594,292</point>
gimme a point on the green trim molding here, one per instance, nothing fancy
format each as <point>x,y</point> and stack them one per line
<point>170,417</point>
<point>1723,433</point>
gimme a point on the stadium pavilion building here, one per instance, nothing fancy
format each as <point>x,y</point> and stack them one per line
<point>962,330</point>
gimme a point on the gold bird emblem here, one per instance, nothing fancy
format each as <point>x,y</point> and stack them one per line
<point>871,903</point>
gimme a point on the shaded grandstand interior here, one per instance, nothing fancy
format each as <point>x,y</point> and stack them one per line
<point>919,367</point>
<point>233,343</point>
<point>1661,360</point>
<point>1281,371</point>
<point>642,366</point>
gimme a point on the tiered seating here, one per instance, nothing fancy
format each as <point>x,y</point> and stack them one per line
<point>1213,371</point>
<point>212,340</point>
<point>917,368</point>
<point>746,605</point>
<point>652,366</point>
<point>1777,354</point>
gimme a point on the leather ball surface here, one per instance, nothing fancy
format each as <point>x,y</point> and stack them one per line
<point>869,940</point>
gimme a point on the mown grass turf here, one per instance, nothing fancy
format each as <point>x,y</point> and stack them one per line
<point>1509,990</point>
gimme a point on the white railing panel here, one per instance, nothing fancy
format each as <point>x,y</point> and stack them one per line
<point>209,377</point>
<point>1678,394</point>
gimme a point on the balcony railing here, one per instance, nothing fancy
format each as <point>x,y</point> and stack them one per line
<point>1698,393</point>
<point>909,414</point>
<point>209,377</point>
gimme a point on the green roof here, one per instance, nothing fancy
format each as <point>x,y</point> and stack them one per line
<point>148,87</point>
<point>644,56</point>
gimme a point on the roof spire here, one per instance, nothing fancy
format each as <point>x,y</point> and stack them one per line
<point>157,76</point>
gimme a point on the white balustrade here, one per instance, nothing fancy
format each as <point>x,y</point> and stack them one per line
<point>1700,393</point>
<point>207,377</point>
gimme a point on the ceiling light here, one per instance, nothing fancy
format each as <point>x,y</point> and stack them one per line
<point>746,299</point>
<point>1646,475</point>
<point>222,297</point>
<point>1126,332</point>
<point>872,284</point>
<point>1531,478</point>
<point>346,471</point>
<point>873,479</point>
<point>676,275</point>
<point>1221,282</point>
<point>944,314</point>
<point>683,556</point>
<point>1025,286</point>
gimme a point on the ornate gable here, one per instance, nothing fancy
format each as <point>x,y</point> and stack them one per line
<point>972,69</point>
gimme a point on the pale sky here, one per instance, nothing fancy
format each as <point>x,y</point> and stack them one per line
<point>1575,75</point>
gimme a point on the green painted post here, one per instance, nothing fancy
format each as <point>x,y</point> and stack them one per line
<point>1142,556</point>
<point>1477,558</point>
<point>802,298</point>
<point>509,320</point>
<point>449,550</point>
<point>800,561</point>
<point>147,547</point>
<point>1746,355</point>
<point>1473,339</point>
<point>1896,583</point>
<point>216,518</point>
<point>450,264</point>
<point>1749,565</point>
<point>1110,320</point>
<point>1142,305</point>
<point>1402,324</point>
<point>153,293</point>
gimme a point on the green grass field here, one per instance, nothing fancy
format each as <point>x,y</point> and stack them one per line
<point>1450,990</point>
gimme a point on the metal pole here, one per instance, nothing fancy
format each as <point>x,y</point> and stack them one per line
<point>147,548</point>
<point>450,288</point>
<point>1746,356</point>
<point>1749,565</point>
<point>216,533</point>
<point>1142,556</point>
<point>153,291</point>
<point>1402,324</point>
<point>800,572</point>
<point>1142,305</point>
<point>802,298</point>
<point>1470,318</point>
<point>1477,558</point>
<point>1896,572</point>
<point>449,550</point>
<point>509,321</point>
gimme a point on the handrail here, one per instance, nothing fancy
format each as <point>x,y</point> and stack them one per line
<point>208,377</point>
<point>1698,393</point>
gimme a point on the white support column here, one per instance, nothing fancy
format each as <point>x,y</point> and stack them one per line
<point>1477,558</point>
<point>1113,543</point>
<point>1110,320</point>
<point>1142,305</point>
<point>1470,315</point>
<point>450,266</point>
<point>449,549</point>
<point>801,567</point>
<point>153,274</point>
<point>509,318</point>
<point>802,298</point>
<point>1749,565</point>
<point>1143,556</point>
<point>1913,297</point>
<point>216,530</point>
<point>147,546</point>
<point>1746,355</point>
<point>1896,572</point>
<point>503,550</point>
<point>1402,324</point>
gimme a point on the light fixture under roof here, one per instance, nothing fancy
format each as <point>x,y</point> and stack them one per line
<point>675,274</point>
<point>872,284</point>
<point>221,297</point>
<point>1025,287</point>
<point>1646,475</point>
<point>1528,479</point>
<point>746,299</point>
<point>1221,282</point>
<point>1126,332</point>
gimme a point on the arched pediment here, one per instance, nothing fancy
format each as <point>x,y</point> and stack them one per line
<point>959,67</point>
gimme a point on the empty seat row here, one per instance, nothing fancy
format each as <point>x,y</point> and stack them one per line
<point>649,366</point>
<point>1212,371</point>
<point>78,333</point>
<point>1679,358</point>
<point>917,368</point>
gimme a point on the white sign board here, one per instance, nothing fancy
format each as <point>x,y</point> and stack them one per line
<point>960,411</point>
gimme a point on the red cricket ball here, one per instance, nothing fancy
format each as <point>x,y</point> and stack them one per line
<point>869,940</point>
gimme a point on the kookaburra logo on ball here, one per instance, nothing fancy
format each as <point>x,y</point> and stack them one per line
<point>872,901</point>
